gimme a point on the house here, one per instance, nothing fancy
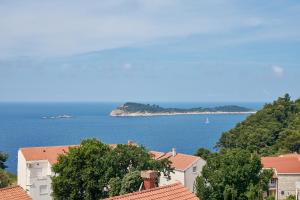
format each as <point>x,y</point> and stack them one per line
<point>286,174</point>
<point>34,169</point>
<point>13,193</point>
<point>174,191</point>
<point>186,168</point>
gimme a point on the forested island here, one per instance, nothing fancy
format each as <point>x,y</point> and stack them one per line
<point>138,109</point>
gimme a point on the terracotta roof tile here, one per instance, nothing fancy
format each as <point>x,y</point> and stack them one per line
<point>50,153</point>
<point>156,154</point>
<point>283,164</point>
<point>180,161</point>
<point>13,193</point>
<point>169,192</point>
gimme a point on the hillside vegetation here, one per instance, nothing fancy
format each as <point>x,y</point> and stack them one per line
<point>131,107</point>
<point>274,129</point>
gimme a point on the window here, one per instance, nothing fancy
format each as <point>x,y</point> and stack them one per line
<point>43,189</point>
<point>282,192</point>
<point>273,181</point>
<point>194,169</point>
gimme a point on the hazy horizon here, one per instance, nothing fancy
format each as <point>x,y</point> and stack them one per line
<point>149,51</point>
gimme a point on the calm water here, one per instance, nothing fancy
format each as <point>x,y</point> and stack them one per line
<point>21,125</point>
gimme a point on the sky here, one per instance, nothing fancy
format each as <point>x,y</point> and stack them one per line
<point>149,50</point>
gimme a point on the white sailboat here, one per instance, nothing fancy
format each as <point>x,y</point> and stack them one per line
<point>207,120</point>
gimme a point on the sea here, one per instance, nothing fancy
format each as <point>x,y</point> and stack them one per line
<point>30,125</point>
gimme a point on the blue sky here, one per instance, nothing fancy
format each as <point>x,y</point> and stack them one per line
<point>149,50</point>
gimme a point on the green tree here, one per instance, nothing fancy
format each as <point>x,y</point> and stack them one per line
<point>81,173</point>
<point>203,153</point>
<point>131,182</point>
<point>271,130</point>
<point>3,158</point>
<point>232,174</point>
<point>87,171</point>
<point>115,185</point>
<point>4,179</point>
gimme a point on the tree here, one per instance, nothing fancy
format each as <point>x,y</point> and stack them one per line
<point>271,130</point>
<point>115,185</point>
<point>131,182</point>
<point>203,153</point>
<point>3,158</point>
<point>93,170</point>
<point>232,174</point>
<point>4,179</point>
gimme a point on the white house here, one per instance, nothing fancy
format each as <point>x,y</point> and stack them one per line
<point>286,175</point>
<point>34,169</point>
<point>186,168</point>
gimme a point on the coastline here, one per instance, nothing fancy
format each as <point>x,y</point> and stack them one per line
<point>147,114</point>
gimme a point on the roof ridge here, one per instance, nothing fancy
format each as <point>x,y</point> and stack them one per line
<point>48,146</point>
<point>145,191</point>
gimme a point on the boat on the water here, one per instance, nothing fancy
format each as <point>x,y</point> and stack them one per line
<point>207,120</point>
<point>59,117</point>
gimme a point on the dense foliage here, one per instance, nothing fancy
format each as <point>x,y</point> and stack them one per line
<point>6,178</point>
<point>291,197</point>
<point>94,170</point>
<point>3,158</point>
<point>230,175</point>
<point>203,153</point>
<point>274,129</point>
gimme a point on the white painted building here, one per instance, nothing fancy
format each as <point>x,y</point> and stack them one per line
<point>186,168</point>
<point>34,170</point>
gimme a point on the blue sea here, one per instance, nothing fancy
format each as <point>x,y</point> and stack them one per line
<point>22,125</point>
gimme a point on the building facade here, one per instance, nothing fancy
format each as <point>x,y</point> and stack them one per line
<point>186,168</point>
<point>34,170</point>
<point>286,175</point>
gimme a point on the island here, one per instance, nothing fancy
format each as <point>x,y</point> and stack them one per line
<point>139,109</point>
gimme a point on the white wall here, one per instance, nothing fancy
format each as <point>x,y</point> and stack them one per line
<point>35,177</point>
<point>21,170</point>
<point>40,180</point>
<point>187,177</point>
<point>175,177</point>
<point>190,176</point>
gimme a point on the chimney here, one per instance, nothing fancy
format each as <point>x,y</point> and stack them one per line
<point>149,178</point>
<point>174,152</point>
<point>130,142</point>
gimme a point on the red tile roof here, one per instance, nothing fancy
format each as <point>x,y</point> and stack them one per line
<point>156,154</point>
<point>13,193</point>
<point>289,163</point>
<point>180,161</point>
<point>169,192</point>
<point>50,153</point>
